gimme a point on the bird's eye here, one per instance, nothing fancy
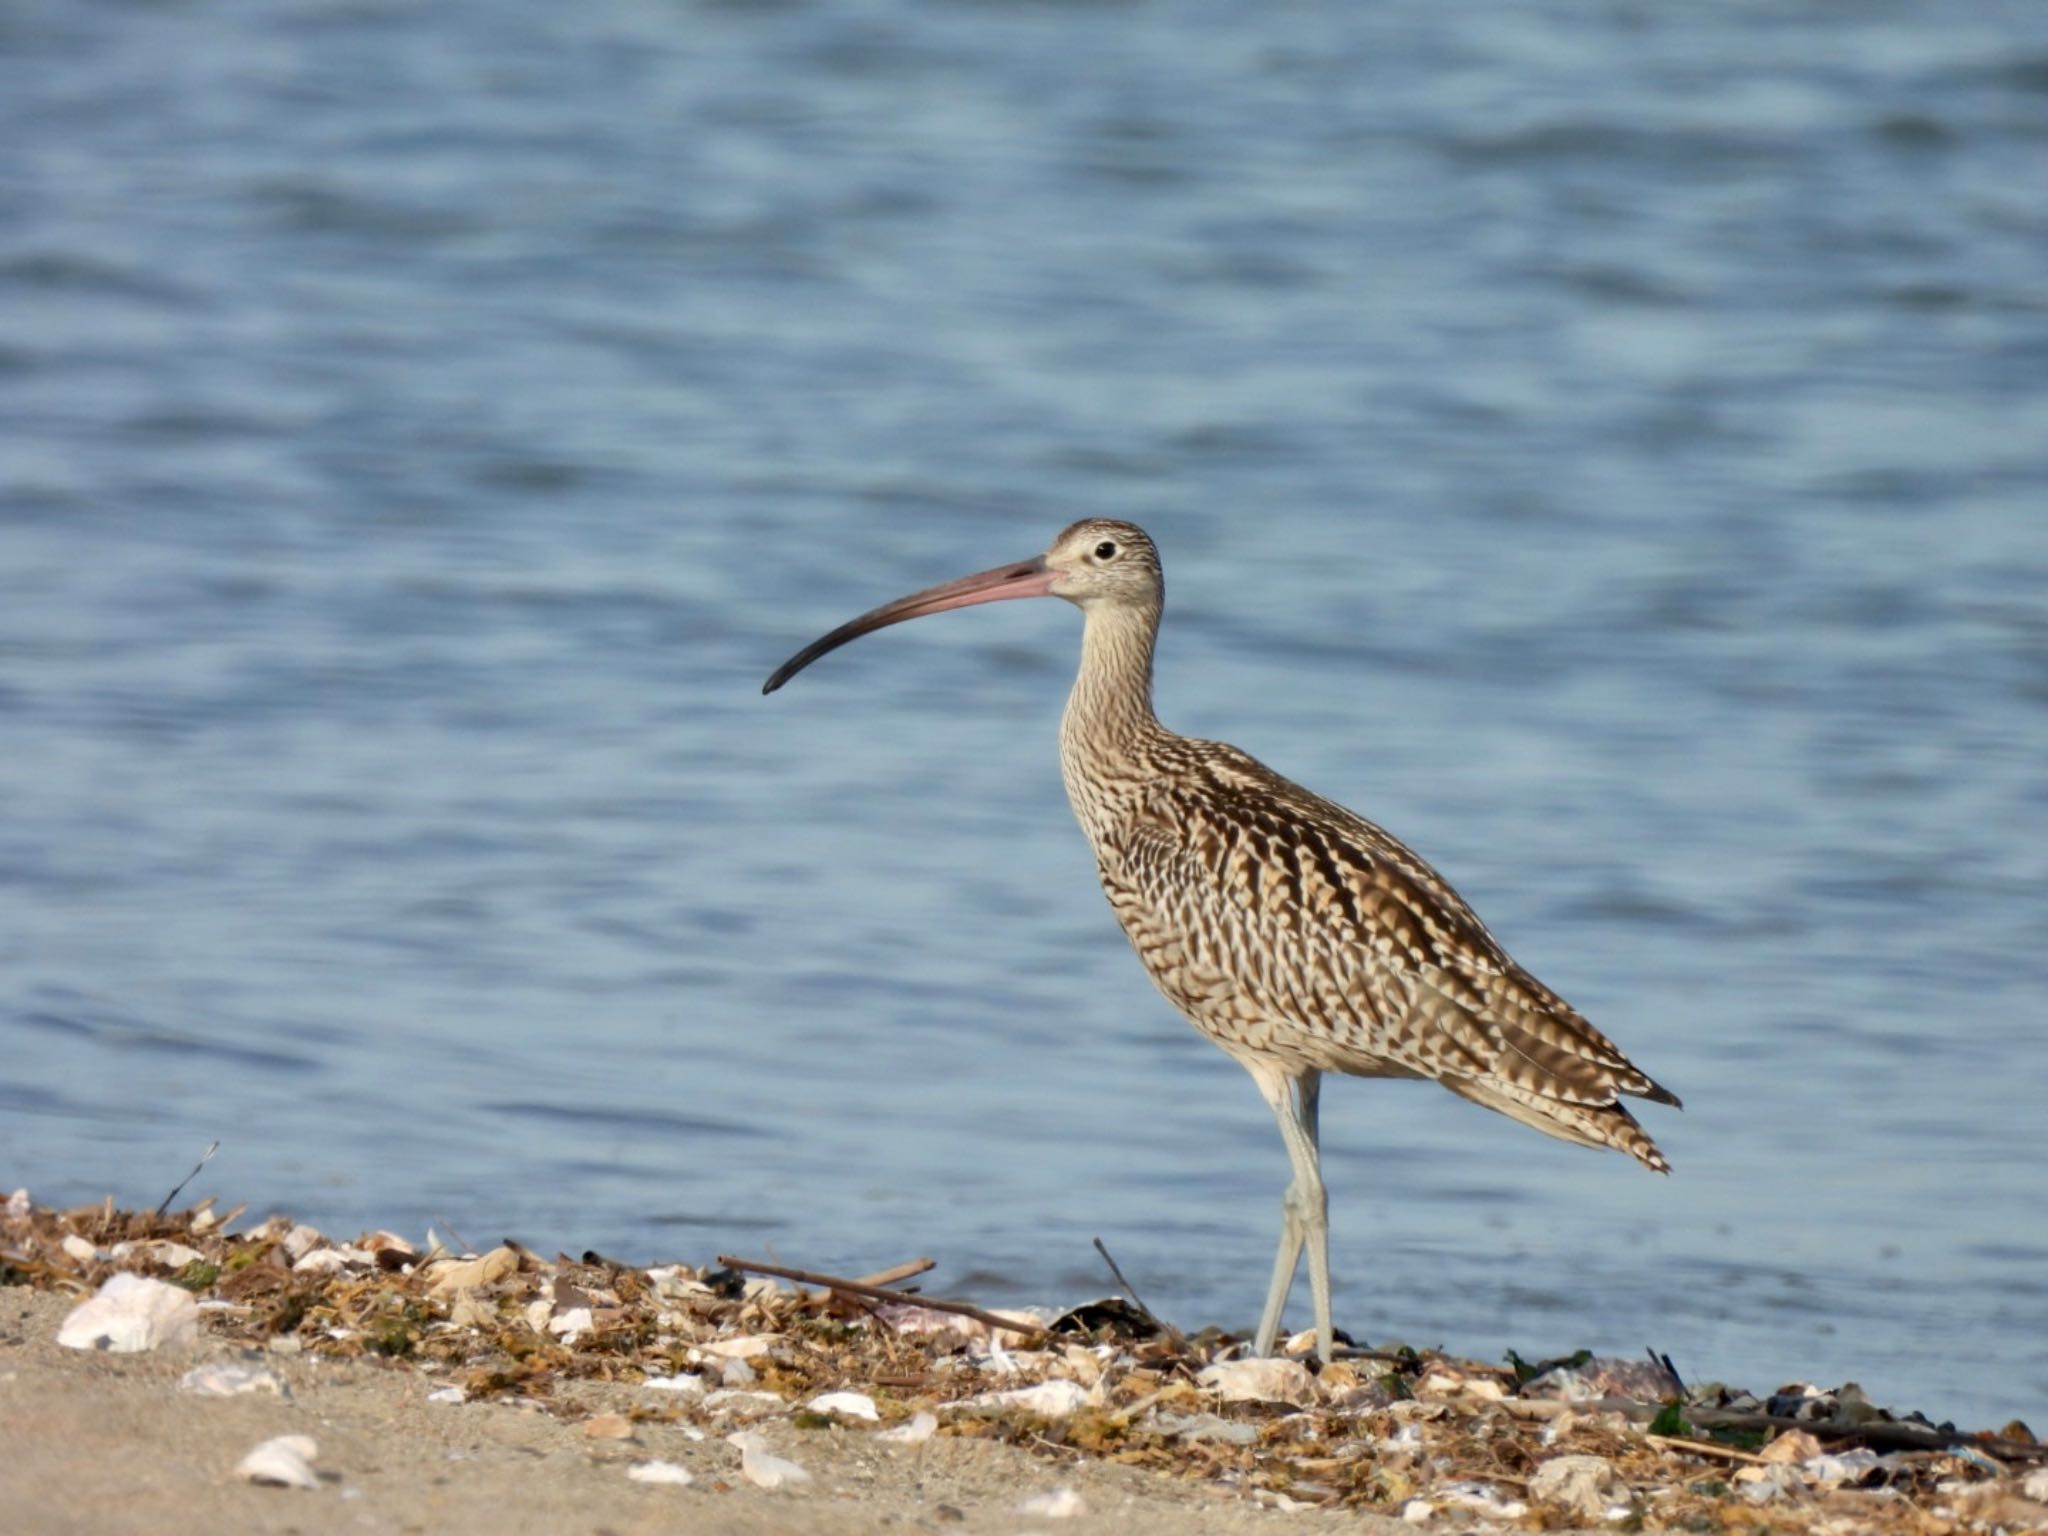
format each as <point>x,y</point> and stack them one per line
<point>1106,550</point>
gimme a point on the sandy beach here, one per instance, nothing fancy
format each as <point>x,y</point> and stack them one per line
<point>143,1357</point>
<point>105,1444</point>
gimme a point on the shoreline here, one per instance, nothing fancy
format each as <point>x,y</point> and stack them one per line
<point>507,1392</point>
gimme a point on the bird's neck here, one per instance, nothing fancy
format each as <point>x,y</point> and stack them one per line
<point>1109,722</point>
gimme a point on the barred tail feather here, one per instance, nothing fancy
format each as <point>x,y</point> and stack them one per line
<point>1590,1125</point>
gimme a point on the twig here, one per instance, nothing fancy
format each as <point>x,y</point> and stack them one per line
<point>897,1272</point>
<point>1662,1360</point>
<point>1878,1435</point>
<point>879,1293</point>
<point>1705,1448</point>
<point>1138,1301</point>
<point>206,1158</point>
<point>1398,1357</point>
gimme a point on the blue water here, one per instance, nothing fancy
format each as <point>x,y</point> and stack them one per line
<point>1607,445</point>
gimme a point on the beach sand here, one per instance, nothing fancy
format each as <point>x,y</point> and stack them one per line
<point>508,1392</point>
<point>98,1444</point>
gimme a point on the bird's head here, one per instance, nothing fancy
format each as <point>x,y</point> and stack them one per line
<point>1103,560</point>
<point>1097,561</point>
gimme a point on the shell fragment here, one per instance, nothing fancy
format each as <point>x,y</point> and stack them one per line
<point>762,1468</point>
<point>131,1314</point>
<point>285,1462</point>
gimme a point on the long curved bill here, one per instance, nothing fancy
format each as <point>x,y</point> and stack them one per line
<point>1030,579</point>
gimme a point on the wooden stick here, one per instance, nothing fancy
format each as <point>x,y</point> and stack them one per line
<point>1879,1434</point>
<point>897,1272</point>
<point>878,1293</point>
<point>1705,1448</point>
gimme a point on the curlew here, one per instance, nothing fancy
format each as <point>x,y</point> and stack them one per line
<point>1300,938</point>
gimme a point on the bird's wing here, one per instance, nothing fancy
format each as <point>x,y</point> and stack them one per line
<point>1355,935</point>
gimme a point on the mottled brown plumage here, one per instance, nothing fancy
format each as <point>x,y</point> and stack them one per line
<point>1299,937</point>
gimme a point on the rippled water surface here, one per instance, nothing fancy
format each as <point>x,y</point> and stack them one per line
<point>1607,445</point>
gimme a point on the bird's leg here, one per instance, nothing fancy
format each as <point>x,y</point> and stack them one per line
<point>1309,1089</point>
<point>1304,1218</point>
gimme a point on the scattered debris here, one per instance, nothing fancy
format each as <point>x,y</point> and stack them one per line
<point>285,1462</point>
<point>1595,1442</point>
<point>130,1314</point>
<point>1584,1487</point>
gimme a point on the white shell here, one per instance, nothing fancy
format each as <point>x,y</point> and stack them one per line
<point>1481,1498</point>
<point>225,1379</point>
<point>920,1429</point>
<point>846,1405</point>
<point>131,1314</point>
<point>1053,1399</point>
<point>572,1323</point>
<point>682,1381</point>
<point>286,1462</point>
<point>1260,1381</point>
<point>329,1261</point>
<point>659,1472</point>
<point>760,1467</point>
<point>745,1347</point>
<point>449,1275</point>
<point>745,1405</point>
<point>1057,1504</point>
